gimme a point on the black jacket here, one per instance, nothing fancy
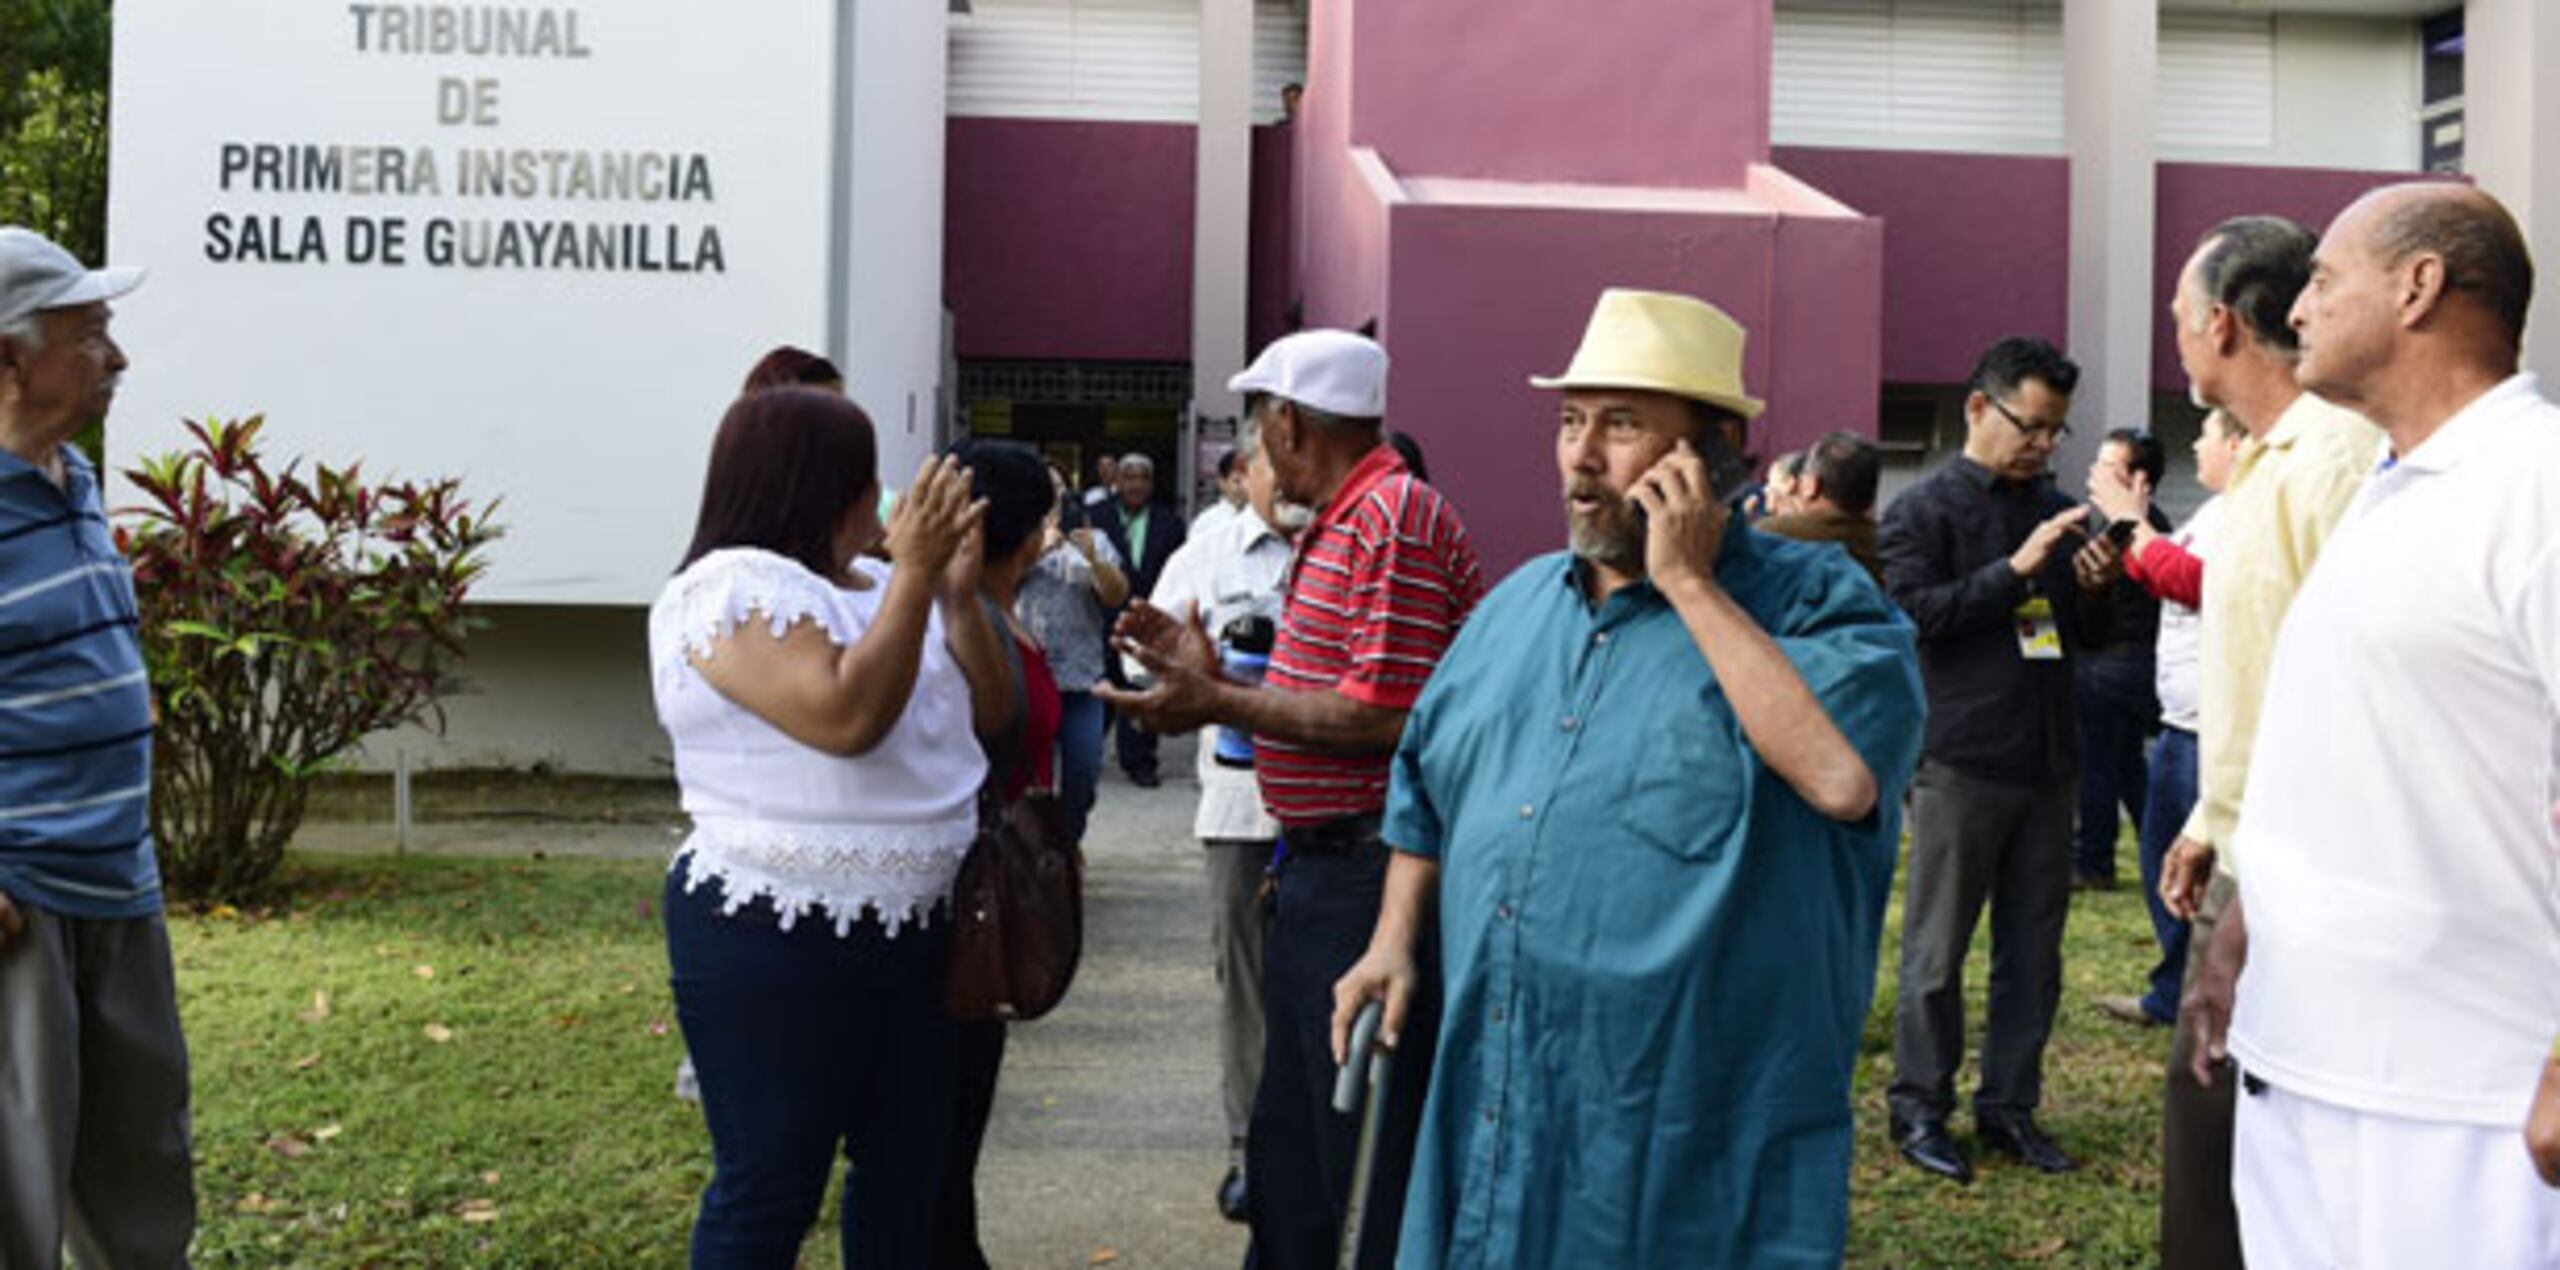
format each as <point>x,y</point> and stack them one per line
<point>1945,544</point>
<point>1164,536</point>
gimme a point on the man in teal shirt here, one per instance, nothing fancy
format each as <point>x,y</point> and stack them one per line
<point>1651,792</point>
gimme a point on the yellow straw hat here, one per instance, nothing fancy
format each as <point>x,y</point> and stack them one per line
<point>1660,342</point>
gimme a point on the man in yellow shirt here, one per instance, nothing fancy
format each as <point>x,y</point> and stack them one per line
<point>2301,466</point>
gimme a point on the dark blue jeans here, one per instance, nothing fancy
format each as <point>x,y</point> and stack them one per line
<point>1299,1152</point>
<point>807,1043</point>
<point>1079,757</point>
<point>2111,777</point>
<point>2173,794</point>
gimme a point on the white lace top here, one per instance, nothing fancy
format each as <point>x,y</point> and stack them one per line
<point>808,830</point>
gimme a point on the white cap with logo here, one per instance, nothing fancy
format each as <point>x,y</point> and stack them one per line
<point>1336,372</point>
<point>36,274</point>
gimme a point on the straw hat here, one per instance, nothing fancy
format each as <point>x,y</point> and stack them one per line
<point>1660,342</point>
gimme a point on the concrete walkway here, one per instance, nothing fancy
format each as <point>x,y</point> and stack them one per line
<point>1107,1143</point>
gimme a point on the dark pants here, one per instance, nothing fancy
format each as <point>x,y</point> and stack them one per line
<point>2111,776</point>
<point>2172,795</point>
<point>807,1042</point>
<point>1135,745</point>
<point>977,1055</point>
<point>1300,1152</point>
<point>95,1140</point>
<point>2199,1226</point>
<point>1080,724</point>
<point>1975,840</point>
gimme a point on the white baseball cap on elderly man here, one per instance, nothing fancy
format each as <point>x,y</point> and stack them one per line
<point>1336,372</point>
<point>36,274</point>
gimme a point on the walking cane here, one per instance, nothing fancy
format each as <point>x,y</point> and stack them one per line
<point>1347,1100</point>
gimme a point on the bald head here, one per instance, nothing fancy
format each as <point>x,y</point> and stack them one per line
<point>2483,254</point>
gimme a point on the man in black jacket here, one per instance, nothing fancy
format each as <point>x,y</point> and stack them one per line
<point>1146,532</point>
<point>1981,554</point>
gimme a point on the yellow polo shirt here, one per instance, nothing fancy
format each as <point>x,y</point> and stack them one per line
<point>2287,491</point>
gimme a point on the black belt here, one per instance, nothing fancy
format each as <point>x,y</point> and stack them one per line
<point>1335,836</point>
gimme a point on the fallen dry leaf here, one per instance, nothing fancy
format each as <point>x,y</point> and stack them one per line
<point>306,1062</point>
<point>255,1202</point>
<point>327,1131</point>
<point>319,1011</point>
<point>477,1210</point>
<point>1103,1257</point>
<point>291,1146</point>
<point>2044,1251</point>
<point>438,1033</point>
<point>489,1178</point>
<point>424,972</point>
<point>657,1027</point>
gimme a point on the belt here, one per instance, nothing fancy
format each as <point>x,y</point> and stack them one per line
<point>1335,836</point>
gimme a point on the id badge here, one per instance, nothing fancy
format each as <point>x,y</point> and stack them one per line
<point>2039,637</point>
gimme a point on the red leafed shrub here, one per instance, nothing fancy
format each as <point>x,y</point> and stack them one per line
<point>283,619</point>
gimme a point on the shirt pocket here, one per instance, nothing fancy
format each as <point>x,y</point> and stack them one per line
<point>1686,790</point>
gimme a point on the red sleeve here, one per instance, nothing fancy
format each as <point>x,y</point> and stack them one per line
<point>2169,572</point>
<point>1422,579</point>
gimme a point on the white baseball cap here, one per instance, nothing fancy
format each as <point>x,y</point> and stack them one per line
<point>36,274</point>
<point>1336,372</point>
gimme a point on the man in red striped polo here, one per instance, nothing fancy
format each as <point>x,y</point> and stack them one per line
<point>1382,579</point>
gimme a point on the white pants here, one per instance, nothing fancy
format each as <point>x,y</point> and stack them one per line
<point>2319,1185</point>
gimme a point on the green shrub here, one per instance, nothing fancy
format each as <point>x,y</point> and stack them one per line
<point>283,620</point>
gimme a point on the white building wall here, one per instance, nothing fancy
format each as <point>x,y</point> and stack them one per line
<point>556,685</point>
<point>2347,93</point>
<point>1987,77</point>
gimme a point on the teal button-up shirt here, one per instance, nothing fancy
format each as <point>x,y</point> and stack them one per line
<point>1658,958</point>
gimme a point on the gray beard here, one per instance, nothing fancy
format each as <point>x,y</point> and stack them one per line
<point>1616,543</point>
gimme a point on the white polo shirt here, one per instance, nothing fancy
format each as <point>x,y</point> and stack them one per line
<point>1235,568</point>
<point>2402,891</point>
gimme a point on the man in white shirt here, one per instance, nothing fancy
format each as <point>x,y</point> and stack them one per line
<point>2399,901</point>
<point>1232,497</point>
<point>1230,574</point>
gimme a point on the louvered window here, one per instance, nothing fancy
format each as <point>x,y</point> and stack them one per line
<point>1136,60</point>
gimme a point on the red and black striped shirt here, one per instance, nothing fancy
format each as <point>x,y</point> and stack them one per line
<point>1381,581</point>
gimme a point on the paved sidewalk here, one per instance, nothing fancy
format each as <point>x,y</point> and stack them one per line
<point>1107,1137</point>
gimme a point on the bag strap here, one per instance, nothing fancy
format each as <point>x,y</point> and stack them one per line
<point>1004,754</point>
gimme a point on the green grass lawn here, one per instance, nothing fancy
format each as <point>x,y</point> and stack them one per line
<point>487,1082</point>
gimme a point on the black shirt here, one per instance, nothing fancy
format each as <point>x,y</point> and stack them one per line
<point>1945,544</point>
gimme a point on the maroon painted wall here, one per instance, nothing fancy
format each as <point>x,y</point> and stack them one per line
<point>1485,297</point>
<point>2194,197</point>
<point>1271,282</point>
<point>1635,92</point>
<point>1975,247</point>
<point>1067,239</point>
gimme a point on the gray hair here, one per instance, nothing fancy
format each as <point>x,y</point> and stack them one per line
<point>27,329</point>
<point>1134,462</point>
<point>2255,266</point>
<point>1248,438</point>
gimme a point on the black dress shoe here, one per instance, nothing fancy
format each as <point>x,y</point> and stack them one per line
<point>1145,779</point>
<point>1231,1195</point>
<point>1930,1148</point>
<point>2018,1136</point>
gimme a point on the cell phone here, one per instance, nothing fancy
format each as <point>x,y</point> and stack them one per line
<point>2120,532</point>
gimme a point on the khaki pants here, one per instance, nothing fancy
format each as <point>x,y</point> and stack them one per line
<point>1235,869</point>
<point>93,1097</point>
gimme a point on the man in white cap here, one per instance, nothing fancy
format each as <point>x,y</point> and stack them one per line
<point>93,1070</point>
<point>1652,790</point>
<point>1382,579</point>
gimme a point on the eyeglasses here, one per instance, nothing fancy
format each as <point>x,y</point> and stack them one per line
<point>2054,432</point>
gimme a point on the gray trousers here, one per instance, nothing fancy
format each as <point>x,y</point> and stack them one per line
<point>2199,1224</point>
<point>94,1143</point>
<point>1975,840</point>
<point>1236,923</point>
